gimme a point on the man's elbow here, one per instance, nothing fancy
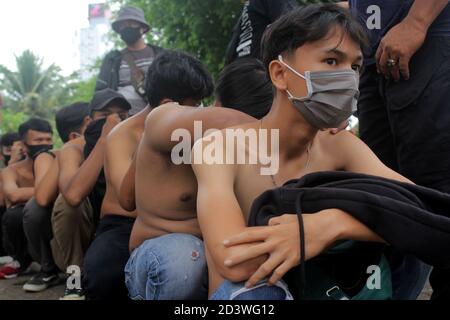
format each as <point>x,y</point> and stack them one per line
<point>72,198</point>
<point>13,197</point>
<point>42,201</point>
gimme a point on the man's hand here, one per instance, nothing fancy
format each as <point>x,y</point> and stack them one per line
<point>17,152</point>
<point>111,121</point>
<point>399,44</point>
<point>281,242</point>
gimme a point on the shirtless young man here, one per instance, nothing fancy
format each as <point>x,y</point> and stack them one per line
<point>80,181</point>
<point>173,76</point>
<point>18,188</point>
<point>321,43</point>
<point>166,229</point>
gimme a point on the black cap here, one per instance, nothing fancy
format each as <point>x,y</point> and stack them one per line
<point>104,97</point>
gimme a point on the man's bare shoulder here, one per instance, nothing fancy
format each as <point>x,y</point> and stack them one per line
<point>339,147</point>
<point>166,110</point>
<point>73,147</point>
<point>77,143</point>
<point>17,169</point>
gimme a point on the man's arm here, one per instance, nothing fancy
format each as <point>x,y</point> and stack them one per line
<point>13,193</point>
<point>82,183</point>
<point>46,170</point>
<point>162,122</point>
<point>220,216</point>
<point>69,161</point>
<point>403,40</point>
<point>353,155</point>
<point>104,74</point>
<point>127,195</point>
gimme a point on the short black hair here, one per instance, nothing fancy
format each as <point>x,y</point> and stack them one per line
<point>9,138</point>
<point>308,24</point>
<point>245,86</point>
<point>70,119</point>
<point>177,76</point>
<point>35,124</point>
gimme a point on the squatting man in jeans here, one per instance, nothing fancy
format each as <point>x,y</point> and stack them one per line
<point>313,56</point>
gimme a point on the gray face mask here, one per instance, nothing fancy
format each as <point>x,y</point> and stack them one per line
<point>332,96</point>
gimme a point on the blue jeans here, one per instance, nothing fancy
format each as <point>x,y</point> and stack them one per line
<point>170,267</point>
<point>237,291</point>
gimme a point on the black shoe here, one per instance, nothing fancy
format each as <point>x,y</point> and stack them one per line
<point>73,294</point>
<point>41,282</point>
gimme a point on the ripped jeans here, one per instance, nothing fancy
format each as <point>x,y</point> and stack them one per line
<point>261,291</point>
<point>169,267</point>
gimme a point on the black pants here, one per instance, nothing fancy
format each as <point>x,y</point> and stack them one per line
<point>105,260</point>
<point>14,240</point>
<point>2,249</point>
<point>407,124</point>
<point>38,231</point>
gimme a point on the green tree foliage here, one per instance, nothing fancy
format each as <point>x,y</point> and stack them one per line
<point>10,120</point>
<point>32,89</point>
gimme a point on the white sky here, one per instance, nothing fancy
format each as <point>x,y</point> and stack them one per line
<point>47,27</point>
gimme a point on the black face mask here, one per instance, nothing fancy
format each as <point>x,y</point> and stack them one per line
<point>131,35</point>
<point>92,134</point>
<point>35,150</point>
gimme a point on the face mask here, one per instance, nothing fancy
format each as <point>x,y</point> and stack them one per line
<point>92,134</point>
<point>332,96</point>
<point>35,150</point>
<point>131,35</point>
<point>6,159</point>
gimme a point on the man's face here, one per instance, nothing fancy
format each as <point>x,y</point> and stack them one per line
<point>35,138</point>
<point>110,109</point>
<point>334,52</point>
<point>6,150</point>
<point>129,24</point>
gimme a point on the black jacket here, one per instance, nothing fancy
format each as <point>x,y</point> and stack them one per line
<point>109,71</point>
<point>411,218</point>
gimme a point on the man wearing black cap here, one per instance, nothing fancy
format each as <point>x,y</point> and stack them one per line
<point>124,71</point>
<point>82,183</point>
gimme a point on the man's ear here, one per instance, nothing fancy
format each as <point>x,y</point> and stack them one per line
<point>277,74</point>
<point>73,135</point>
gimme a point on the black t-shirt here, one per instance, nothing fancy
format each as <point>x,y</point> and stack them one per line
<point>256,16</point>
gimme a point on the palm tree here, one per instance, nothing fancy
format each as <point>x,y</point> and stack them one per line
<point>32,88</point>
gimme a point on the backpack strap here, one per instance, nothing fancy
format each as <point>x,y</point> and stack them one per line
<point>137,75</point>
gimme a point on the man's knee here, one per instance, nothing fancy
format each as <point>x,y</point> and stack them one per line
<point>168,267</point>
<point>34,215</point>
<point>13,218</point>
<point>104,270</point>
